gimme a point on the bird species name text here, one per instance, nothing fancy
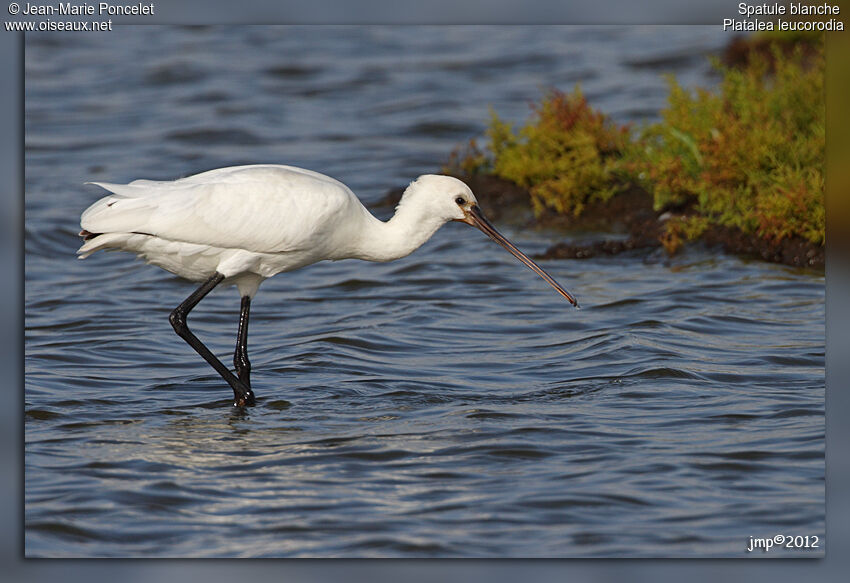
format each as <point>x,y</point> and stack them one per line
<point>774,10</point>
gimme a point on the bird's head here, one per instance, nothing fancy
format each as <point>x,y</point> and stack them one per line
<point>449,199</point>
<point>442,197</point>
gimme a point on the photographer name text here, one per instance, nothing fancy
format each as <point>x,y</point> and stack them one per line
<point>100,9</point>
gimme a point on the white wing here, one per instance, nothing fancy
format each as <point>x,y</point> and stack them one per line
<point>262,208</point>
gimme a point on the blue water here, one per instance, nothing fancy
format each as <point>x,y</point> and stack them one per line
<point>448,404</point>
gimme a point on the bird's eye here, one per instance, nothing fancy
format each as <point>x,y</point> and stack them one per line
<point>460,200</point>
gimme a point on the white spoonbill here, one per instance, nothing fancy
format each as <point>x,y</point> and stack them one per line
<point>243,224</point>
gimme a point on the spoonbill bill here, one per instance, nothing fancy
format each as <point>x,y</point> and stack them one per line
<point>243,224</point>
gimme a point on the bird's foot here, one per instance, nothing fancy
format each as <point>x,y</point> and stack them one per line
<point>244,399</point>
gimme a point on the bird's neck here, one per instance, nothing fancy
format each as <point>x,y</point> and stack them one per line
<point>404,233</point>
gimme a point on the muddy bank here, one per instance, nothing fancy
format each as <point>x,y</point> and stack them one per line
<point>628,214</point>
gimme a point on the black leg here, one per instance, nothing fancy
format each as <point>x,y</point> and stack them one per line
<point>242,393</point>
<point>240,357</point>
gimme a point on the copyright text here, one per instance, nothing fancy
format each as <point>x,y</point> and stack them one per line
<point>86,16</point>
<point>71,9</point>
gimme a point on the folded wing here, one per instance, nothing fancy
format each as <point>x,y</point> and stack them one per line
<point>265,208</point>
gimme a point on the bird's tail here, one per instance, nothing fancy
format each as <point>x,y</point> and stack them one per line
<point>97,241</point>
<point>110,221</point>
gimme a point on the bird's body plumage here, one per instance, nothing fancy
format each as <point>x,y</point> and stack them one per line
<point>247,222</point>
<point>243,224</point>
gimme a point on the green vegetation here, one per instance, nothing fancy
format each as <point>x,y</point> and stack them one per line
<point>749,155</point>
<point>565,156</point>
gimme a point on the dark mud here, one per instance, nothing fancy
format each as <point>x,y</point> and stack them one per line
<point>742,50</point>
<point>629,214</point>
